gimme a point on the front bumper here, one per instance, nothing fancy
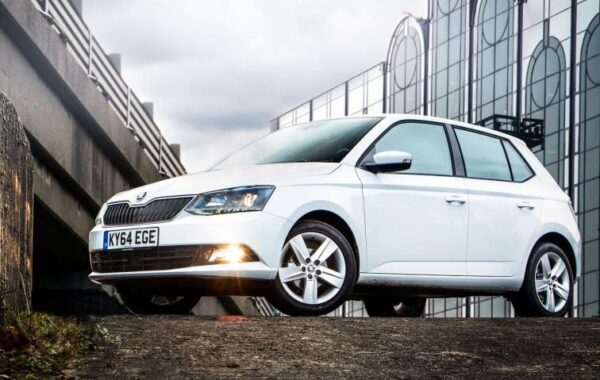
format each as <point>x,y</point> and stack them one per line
<point>254,271</point>
<point>246,279</point>
<point>262,232</point>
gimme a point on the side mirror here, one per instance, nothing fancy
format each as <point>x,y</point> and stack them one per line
<point>389,161</point>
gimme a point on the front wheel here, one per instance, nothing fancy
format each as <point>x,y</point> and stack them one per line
<point>547,287</point>
<point>141,302</point>
<point>317,270</point>
<point>399,307</point>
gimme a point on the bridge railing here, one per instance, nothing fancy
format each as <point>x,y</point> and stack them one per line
<point>79,40</point>
<point>362,94</point>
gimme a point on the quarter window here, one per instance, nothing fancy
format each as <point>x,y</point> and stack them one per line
<point>426,142</point>
<point>483,155</point>
<point>520,170</point>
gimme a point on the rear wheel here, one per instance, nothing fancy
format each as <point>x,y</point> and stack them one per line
<point>395,307</point>
<point>142,302</point>
<point>547,287</point>
<point>317,270</point>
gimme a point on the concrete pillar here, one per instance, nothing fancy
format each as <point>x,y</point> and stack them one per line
<point>16,214</point>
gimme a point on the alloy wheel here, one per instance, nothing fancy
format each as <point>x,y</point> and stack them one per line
<point>313,268</point>
<point>552,282</point>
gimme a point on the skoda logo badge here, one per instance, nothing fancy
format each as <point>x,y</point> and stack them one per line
<point>141,196</point>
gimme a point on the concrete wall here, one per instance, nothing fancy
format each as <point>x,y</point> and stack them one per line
<point>82,154</point>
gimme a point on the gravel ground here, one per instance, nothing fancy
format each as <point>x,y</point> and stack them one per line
<point>199,347</point>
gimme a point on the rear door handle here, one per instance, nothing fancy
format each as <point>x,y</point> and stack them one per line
<point>525,206</point>
<point>456,200</point>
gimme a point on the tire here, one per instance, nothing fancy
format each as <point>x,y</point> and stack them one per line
<point>138,302</point>
<point>555,282</point>
<point>399,307</point>
<point>313,281</point>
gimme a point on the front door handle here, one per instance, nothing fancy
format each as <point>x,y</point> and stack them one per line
<point>525,206</point>
<point>456,200</point>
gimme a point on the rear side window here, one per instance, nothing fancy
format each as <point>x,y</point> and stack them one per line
<point>483,155</point>
<point>426,142</point>
<point>520,169</point>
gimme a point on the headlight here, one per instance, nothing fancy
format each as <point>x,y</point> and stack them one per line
<point>238,199</point>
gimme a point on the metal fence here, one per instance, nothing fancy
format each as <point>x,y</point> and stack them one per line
<point>361,94</point>
<point>79,40</point>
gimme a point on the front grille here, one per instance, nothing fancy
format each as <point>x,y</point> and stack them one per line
<point>158,210</point>
<point>156,258</point>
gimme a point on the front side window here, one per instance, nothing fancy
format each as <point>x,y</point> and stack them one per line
<point>483,155</point>
<point>426,142</point>
<point>319,141</point>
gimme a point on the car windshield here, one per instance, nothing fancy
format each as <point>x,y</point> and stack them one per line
<point>318,141</point>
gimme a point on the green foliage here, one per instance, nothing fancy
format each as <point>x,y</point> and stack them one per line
<point>37,345</point>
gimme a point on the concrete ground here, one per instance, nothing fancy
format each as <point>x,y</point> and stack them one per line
<point>162,347</point>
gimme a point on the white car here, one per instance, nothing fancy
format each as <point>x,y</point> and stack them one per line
<point>388,209</point>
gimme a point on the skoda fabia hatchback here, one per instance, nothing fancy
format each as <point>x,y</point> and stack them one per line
<point>386,209</point>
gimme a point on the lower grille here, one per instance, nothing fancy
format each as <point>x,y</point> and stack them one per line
<point>157,258</point>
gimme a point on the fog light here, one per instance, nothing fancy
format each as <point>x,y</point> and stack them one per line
<point>230,254</point>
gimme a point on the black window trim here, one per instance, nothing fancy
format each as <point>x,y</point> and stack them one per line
<point>502,141</point>
<point>459,164</point>
<point>362,160</point>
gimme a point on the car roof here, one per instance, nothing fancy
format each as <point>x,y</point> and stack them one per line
<point>393,117</point>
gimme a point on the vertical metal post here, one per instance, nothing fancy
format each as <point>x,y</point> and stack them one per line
<point>90,52</point>
<point>425,27</point>
<point>384,66</point>
<point>128,121</point>
<point>346,99</point>
<point>160,144</point>
<point>572,105</point>
<point>519,63</point>
<point>471,64</point>
<point>310,110</point>
<point>344,309</point>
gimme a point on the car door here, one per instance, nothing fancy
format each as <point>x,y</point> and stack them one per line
<point>504,208</point>
<point>416,220</point>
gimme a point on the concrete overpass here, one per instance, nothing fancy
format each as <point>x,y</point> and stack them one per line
<point>90,135</point>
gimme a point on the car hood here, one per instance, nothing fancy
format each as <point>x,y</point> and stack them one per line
<point>201,182</point>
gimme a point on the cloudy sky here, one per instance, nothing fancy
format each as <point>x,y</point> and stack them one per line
<point>219,70</point>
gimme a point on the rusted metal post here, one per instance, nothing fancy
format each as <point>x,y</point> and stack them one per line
<point>16,214</point>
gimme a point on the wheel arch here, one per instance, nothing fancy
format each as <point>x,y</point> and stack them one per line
<point>337,222</point>
<point>561,241</point>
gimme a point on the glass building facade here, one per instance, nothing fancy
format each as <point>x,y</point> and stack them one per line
<point>469,60</point>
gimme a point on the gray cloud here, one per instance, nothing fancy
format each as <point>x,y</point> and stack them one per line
<point>219,71</point>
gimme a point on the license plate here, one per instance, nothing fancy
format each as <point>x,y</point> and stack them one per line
<point>135,238</point>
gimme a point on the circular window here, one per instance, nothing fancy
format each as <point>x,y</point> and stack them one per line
<point>405,70</point>
<point>544,85</point>
<point>447,6</point>
<point>495,20</point>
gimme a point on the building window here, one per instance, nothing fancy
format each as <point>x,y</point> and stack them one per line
<point>404,59</point>
<point>448,42</point>
<point>495,30</point>
<point>588,199</point>
<point>545,95</point>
